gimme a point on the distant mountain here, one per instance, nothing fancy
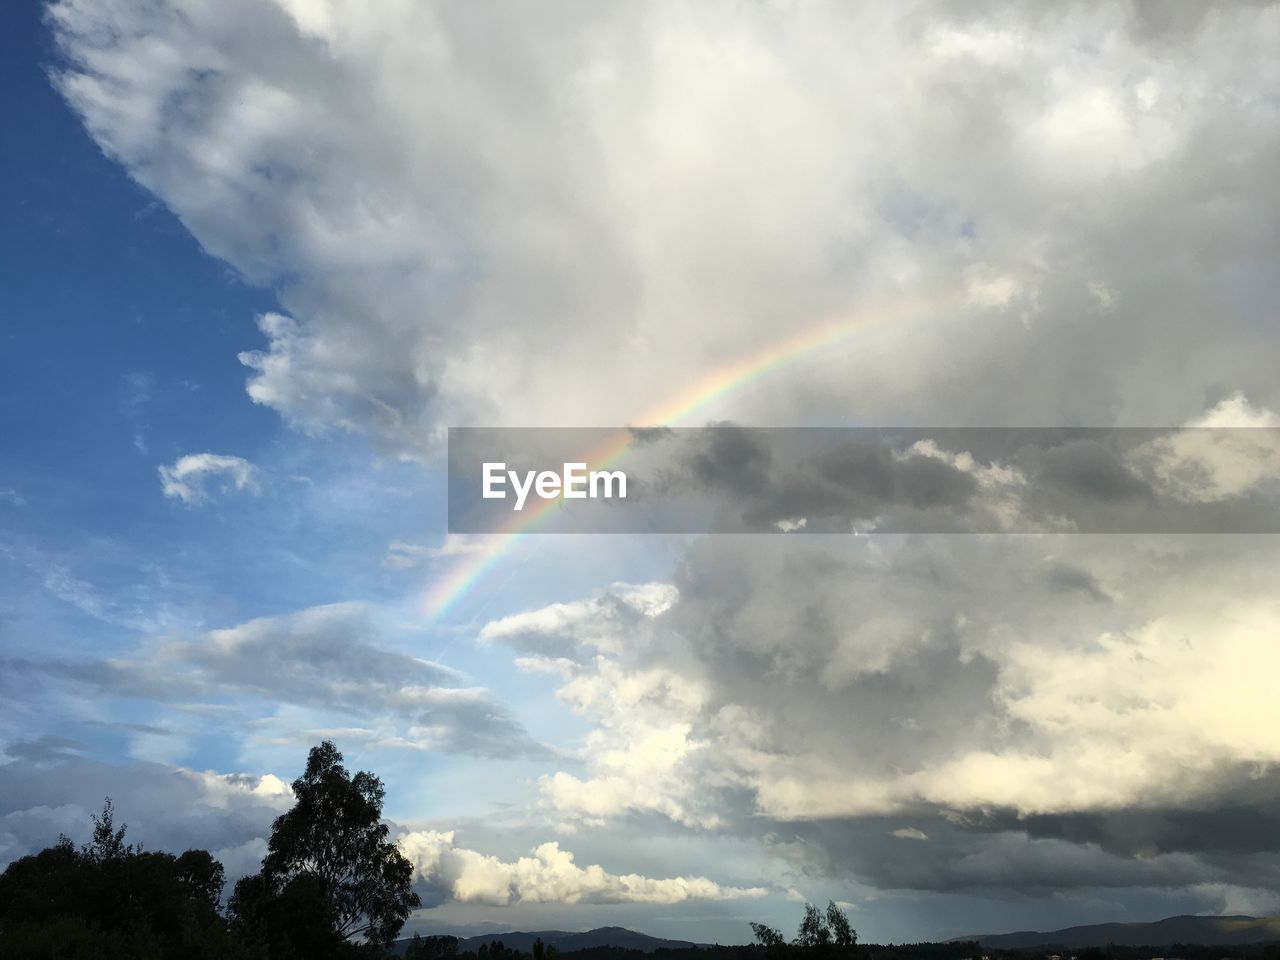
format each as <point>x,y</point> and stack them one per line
<point>600,937</point>
<point>1207,931</point>
<point>565,941</point>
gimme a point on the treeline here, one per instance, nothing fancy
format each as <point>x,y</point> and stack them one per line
<point>332,886</point>
<point>1181,951</point>
<point>953,950</point>
<point>111,900</point>
<point>753,951</point>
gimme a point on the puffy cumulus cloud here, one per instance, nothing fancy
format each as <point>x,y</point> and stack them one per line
<point>445,871</point>
<point>330,658</point>
<point>188,478</point>
<point>440,190</point>
<point>1209,464</point>
<point>1015,698</point>
<point>165,807</point>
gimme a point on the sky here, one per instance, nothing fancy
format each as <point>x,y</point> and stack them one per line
<point>259,255</point>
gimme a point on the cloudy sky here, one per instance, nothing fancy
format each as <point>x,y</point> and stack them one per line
<point>258,255</point>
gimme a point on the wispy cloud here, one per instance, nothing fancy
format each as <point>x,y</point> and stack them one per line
<point>197,477</point>
<point>325,658</point>
<point>401,555</point>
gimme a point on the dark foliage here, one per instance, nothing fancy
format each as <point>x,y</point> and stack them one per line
<point>111,899</point>
<point>332,886</point>
<point>821,934</point>
<point>432,948</point>
<point>331,878</point>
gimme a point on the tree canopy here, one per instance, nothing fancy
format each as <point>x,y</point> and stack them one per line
<point>819,932</point>
<point>111,899</point>
<point>330,868</point>
<point>331,885</point>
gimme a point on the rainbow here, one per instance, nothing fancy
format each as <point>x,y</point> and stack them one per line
<point>445,593</point>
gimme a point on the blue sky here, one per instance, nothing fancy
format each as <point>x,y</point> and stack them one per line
<point>257,256</point>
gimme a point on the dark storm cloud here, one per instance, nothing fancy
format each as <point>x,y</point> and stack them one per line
<point>945,857</point>
<point>936,849</point>
<point>1066,577</point>
<point>1092,471</point>
<point>729,457</point>
<point>760,478</point>
<point>976,480</point>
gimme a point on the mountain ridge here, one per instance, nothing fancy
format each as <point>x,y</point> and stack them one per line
<point>1185,929</point>
<point>566,940</point>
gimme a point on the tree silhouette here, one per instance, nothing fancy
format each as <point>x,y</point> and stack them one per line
<point>814,932</point>
<point>774,943</point>
<point>842,934</point>
<point>826,933</point>
<point>330,871</point>
<point>431,948</point>
<point>112,900</point>
<point>108,842</point>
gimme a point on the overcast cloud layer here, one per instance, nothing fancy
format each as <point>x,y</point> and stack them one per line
<point>569,213</point>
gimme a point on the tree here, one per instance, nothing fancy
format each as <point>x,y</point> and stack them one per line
<point>774,943</point>
<point>431,948</point>
<point>202,875</point>
<point>826,933</point>
<point>108,842</point>
<point>495,950</point>
<point>842,934</point>
<point>329,857</point>
<point>813,932</point>
<point>111,900</point>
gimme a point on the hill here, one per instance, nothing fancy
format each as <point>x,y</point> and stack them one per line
<point>566,941</point>
<point>1206,931</point>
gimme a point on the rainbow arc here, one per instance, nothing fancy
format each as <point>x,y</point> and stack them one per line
<point>447,591</point>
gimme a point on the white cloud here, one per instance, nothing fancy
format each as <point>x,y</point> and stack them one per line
<point>442,191</point>
<point>548,875</point>
<point>165,807</point>
<point>189,478</point>
<point>827,682</point>
<point>405,556</point>
<point>605,622</point>
<point>1236,412</point>
<point>334,658</point>
<point>1227,452</point>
